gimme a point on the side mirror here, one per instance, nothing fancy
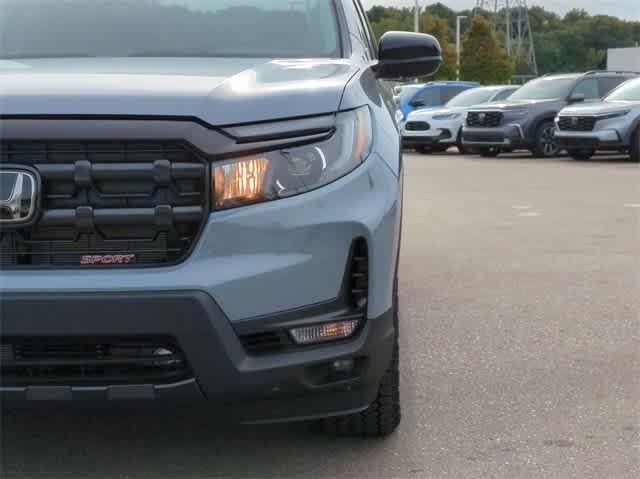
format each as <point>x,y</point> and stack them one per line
<point>406,54</point>
<point>417,102</point>
<point>577,97</point>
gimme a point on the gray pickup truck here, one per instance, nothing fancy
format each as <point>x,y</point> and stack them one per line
<point>202,201</point>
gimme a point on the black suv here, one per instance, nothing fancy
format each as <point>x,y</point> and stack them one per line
<point>526,119</point>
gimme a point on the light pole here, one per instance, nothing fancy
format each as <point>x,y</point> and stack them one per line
<point>458,19</point>
<point>416,17</point>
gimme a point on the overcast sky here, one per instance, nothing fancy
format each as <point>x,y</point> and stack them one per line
<point>629,9</point>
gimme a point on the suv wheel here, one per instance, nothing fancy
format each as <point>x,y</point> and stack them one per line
<point>382,417</point>
<point>635,146</point>
<point>583,154</point>
<point>463,150</point>
<point>546,145</point>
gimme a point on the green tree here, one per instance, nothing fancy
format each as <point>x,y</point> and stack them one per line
<point>575,42</point>
<point>482,58</point>
<point>439,28</point>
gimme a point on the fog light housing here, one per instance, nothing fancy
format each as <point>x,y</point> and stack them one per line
<point>322,333</point>
<point>343,365</point>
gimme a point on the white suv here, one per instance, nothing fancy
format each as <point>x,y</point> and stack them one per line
<point>438,129</point>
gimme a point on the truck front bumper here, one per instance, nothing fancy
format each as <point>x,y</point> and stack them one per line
<point>292,384</point>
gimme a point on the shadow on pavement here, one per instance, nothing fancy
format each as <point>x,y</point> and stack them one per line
<point>165,443</point>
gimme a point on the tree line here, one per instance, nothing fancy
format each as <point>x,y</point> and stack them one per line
<point>574,42</point>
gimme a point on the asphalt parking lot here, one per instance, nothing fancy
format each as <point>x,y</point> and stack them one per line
<point>520,290</point>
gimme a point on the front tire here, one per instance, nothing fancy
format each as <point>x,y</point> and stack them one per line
<point>634,153</point>
<point>463,150</point>
<point>383,416</point>
<point>546,145</point>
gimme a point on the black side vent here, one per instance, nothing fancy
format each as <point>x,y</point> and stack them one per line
<point>359,275</point>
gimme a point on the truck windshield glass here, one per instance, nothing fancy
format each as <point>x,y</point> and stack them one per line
<point>628,92</point>
<point>471,97</point>
<point>544,89</point>
<point>168,28</point>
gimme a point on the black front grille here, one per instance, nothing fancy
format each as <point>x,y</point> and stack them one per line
<point>578,143</point>
<point>417,126</point>
<point>577,123</point>
<point>491,139</point>
<point>91,361</point>
<point>488,119</point>
<point>106,204</point>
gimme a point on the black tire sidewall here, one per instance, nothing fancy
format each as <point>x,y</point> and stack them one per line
<point>635,145</point>
<point>539,148</point>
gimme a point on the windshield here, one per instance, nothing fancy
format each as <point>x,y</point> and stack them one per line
<point>630,91</point>
<point>544,89</point>
<point>168,28</point>
<point>472,97</point>
<point>408,91</point>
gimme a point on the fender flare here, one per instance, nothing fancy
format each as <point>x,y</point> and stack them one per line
<point>533,127</point>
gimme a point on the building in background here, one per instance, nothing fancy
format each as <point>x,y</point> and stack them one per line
<point>624,59</point>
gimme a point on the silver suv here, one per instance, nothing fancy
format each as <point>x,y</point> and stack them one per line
<point>526,119</point>
<point>612,124</point>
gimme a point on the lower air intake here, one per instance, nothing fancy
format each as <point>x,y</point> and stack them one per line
<point>91,362</point>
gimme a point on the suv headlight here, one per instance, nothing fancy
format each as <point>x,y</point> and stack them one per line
<point>521,113</point>
<point>446,116</point>
<point>291,171</point>
<point>616,114</point>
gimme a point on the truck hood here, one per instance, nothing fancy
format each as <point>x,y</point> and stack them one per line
<point>599,108</point>
<point>218,91</point>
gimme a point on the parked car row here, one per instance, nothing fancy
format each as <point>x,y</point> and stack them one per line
<point>579,113</point>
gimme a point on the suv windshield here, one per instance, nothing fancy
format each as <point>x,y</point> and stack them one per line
<point>545,89</point>
<point>630,91</point>
<point>408,91</point>
<point>472,97</point>
<point>168,28</point>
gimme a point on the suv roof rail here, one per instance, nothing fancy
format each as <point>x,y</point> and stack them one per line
<point>621,72</point>
<point>595,72</point>
<point>553,74</point>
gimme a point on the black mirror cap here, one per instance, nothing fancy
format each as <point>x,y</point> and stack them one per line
<point>407,54</point>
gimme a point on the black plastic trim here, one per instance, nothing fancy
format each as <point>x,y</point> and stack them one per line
<point>207,208</point>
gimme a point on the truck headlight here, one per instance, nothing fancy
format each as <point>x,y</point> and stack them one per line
<point>291,171</point>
